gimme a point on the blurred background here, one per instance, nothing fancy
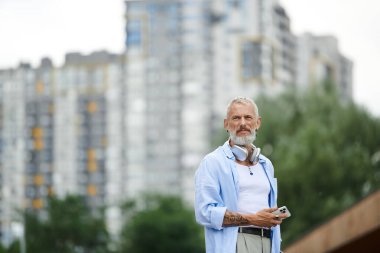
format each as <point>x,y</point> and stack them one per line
<point>103,103</point>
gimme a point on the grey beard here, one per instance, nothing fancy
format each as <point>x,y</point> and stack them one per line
<point>246,140</point>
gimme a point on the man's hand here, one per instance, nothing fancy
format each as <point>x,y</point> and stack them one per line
<point>263,218</point>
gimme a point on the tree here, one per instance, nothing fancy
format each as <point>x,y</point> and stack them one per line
<point>13,248</point>
<point>2,249</point>
<point>69,227</point>
<point>326,154</point>
<point>160,224</point>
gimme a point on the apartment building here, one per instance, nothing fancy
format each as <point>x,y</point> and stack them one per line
<point>88,130</point>
<point>319,59</point>
<point>61,133</point>
<point>184,61</point>
<point>168,93</point>
<point>13,145</point>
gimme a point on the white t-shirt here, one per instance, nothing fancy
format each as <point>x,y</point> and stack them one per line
<point>253,189</point>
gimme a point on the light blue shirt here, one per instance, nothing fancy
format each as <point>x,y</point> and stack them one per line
<point>217,190</point>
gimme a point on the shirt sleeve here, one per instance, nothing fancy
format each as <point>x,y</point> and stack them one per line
<point>209,205</point>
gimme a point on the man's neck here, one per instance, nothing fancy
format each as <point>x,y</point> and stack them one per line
<point>245,163</point>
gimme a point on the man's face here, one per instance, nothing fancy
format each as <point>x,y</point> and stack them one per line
<point>241,123</point>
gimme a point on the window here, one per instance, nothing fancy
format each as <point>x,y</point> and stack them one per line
<point>235,3</point>
<point>134,33</point>
<point>251,59</point>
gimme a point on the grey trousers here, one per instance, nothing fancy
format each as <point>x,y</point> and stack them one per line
<point>247,243</point>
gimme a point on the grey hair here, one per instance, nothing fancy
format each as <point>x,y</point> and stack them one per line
<point>242,100</point>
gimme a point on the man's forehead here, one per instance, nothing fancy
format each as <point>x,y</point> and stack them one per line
<point>242,109</point>
<point>240,105</point>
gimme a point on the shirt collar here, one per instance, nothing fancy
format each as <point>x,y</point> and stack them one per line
<point>227,150</point>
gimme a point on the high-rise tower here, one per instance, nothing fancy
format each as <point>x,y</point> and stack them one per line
<point>169,93</point>
<point>184,60</point>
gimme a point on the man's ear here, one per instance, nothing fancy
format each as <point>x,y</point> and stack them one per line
<point>258,123</point>
<point>225,123</point>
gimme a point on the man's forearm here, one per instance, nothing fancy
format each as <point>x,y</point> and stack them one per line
<point>234,219</point>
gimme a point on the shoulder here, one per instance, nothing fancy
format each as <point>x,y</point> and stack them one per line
<point>266,159</point>
<point>212,161</point>
<point>214,157</point>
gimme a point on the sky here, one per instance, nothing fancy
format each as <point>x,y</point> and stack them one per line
<point>32,29</point>
<point>356,25</point>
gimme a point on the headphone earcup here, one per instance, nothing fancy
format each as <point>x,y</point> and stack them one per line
<point>240,153</point>
<point>255,155</point>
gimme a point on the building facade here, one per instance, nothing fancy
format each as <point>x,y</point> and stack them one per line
<point>184,61</point>
<point>61,134</point>
<point>319,60</point>
<point>168,93</point>
<point>13,145</point>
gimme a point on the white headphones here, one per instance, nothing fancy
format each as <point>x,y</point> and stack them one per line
<point>241,153</point>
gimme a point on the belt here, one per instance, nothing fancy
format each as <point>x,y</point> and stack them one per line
<point>256,231</point>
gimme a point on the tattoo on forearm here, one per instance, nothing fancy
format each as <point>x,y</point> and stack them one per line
<point>234,219</point>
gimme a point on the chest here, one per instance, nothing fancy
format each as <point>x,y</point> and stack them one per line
<point>252,180</point>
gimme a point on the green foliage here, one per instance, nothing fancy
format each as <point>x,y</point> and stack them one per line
<point>13,248</point>
<point>323,152</point>
<point>3,249</point>
<point>326,154</point>
<point>69,227</point>
<point>160,224</point>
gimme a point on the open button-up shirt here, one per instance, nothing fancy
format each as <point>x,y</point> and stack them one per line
<point>216,190</point>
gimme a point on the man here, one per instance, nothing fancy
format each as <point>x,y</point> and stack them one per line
<point>235,189</point>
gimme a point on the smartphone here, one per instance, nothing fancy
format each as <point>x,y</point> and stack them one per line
<point>283,210</point>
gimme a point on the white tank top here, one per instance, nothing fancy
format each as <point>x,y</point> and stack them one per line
<point>253,189</point>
